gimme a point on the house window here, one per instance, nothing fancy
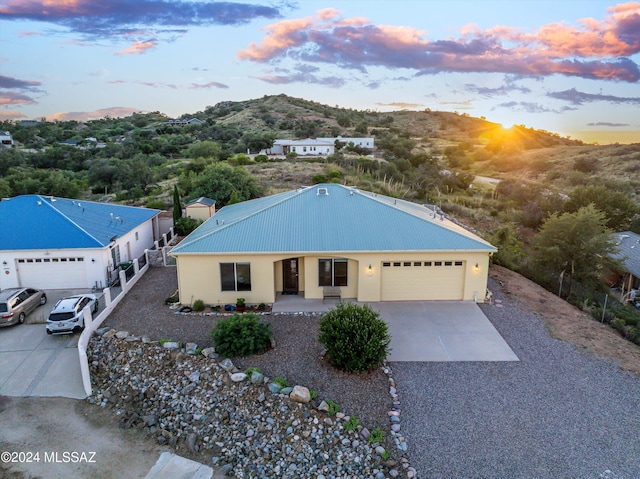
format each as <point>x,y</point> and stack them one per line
<point>397,263</point>
<point>427,263</point>
<point>136,236</point>
<point>438,263</point>
<point>332,272</point>
<point>235,276</point>
<point>458,263</point>
<point>417,263</point>
<point>115,255</point>
<point>386,264</point>
<point>448,263</point>
<point>407,263</point>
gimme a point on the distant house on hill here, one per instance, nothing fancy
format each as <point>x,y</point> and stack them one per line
<point>628,251</point>
<point>315,146</point>
<point>184,122</point>
<point>6,140</point>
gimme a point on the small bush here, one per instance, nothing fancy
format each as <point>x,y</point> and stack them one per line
<point>260,158</point>
<point>251,370</point>
<point>198,305</point>
<point>313,394</point>
<point>241,335</point>
<point>355,337</point>
<point>351,424</point>
<point>385,455</point>
<point>377,435</point>
<point>282,382</point>
<point>172,299</point>
<point>319,178</point>
<point>156,205</point>
<point>334,408</point>
<point>186,225</point>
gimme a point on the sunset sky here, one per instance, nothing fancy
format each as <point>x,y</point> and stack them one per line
<point>571,67</point>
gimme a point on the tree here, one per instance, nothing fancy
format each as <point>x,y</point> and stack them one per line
<point>204,149</point>
<point>619,209</point>
<point>577,245</point>
<point>177,207</point>
<point>219,180</point>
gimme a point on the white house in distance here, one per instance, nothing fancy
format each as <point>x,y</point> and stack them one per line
<point>315,146</point>
<point>6,140</point>
<point>60,243</point>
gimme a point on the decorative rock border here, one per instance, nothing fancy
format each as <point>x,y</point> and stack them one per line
<point>352,445</point>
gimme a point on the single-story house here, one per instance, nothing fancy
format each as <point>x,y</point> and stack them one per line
<point>368,246</point>
<point>6,140</point>
<point>314,146</point>
<point>201,208</point>
<point>628,252</point>
<point>60,243</point>
<point>184,122</point>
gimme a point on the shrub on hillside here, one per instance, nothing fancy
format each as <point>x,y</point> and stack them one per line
<point>355,337</point>
<point>241,335</point>
<point>186,225</point>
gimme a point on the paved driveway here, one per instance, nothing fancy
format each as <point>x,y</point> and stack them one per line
<point>32,363</point>
<point>442,331</point>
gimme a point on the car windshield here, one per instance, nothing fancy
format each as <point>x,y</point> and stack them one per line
<point>3,307</point>
<point>61,316</point>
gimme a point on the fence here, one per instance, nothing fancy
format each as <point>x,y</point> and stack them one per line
<point>112,296</point>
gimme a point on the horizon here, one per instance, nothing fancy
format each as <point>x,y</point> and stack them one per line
<point>566,67</point>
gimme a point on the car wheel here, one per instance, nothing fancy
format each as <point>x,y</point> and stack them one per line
<point>95,307</point>
<point>43,299</point>
<point>21,318</point>
<point>77,329</point>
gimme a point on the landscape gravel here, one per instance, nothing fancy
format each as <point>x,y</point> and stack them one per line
<point>558,413</point>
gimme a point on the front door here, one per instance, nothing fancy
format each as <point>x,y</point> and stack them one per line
<point>290,276</point>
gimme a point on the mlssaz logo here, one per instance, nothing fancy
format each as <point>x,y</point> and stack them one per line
<point>69,456</point>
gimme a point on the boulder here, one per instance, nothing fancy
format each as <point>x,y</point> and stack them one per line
<point>300,394</point>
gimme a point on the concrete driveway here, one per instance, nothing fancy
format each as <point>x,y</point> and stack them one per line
<point>442,331</point>
<point>32,363</point>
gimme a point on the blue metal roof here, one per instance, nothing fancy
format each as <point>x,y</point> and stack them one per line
<point>628,246</point>
<point>42,222</point>
<point>345,219</point>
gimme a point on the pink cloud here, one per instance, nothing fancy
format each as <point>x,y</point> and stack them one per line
<point>27,33</point>
<point>138,47</point>
<point>11,115</point>
<point>15,98</point>
<point>590,49</point>
<point>114,112</point>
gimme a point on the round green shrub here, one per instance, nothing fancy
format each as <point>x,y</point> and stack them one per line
<point>241,335</point>
<point>198,305</point>
<point>355,337</point>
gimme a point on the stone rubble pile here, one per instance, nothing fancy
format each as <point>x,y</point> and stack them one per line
<point>241,422</point>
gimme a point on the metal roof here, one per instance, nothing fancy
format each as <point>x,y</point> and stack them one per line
<point>344,219</point>
<point>44,222</point>
<point>202,200</point>
<point>628,245</point>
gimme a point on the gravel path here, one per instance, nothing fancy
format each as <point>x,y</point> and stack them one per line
<point>296,357</point>
<point>557,413</point>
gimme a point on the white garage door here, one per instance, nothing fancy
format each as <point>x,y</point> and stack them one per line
<point>422,280</point>
<point>52,273</point>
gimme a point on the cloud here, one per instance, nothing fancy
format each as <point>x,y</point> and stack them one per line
<point>402,105</point>
<point>111,18</point>
<point>11,115</point>
<point>138,47</point>
<point>13,91</point>
<point>211,84</point>
<point>114,112</point>
<point>504,89</point>
<point>10,82</point>
<point>607,123</point>
<point>531,107</point>
<point>15,98</point>
<point>593,49</point>
<point>301,74</point>
<point>576,97</point>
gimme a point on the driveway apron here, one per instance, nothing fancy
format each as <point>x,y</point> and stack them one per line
<point>442,331</point>
<point>33,363</point>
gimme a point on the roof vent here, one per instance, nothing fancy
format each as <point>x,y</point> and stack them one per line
<point>323,191</point>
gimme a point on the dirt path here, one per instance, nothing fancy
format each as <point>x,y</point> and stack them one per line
<point>50,425</point>
<point>566,322</point>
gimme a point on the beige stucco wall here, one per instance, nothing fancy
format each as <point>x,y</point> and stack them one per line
<point>199,275</point>
<point>200,212</point>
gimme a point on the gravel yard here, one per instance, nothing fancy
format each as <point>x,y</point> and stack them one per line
<point>559,412</point>
<point>296,357</point>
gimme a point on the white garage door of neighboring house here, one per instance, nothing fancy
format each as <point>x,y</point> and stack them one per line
<point>422,280</point>
<point>52,273</point>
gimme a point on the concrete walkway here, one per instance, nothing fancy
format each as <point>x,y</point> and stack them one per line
<point>172,466</point>
<point>32,363</point>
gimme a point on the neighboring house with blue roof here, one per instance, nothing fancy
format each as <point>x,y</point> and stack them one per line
<point>628,252</point>
<point>372,247</point>
<point>60,243</point>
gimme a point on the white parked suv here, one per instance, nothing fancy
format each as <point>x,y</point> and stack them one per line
<point>66,316</point>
